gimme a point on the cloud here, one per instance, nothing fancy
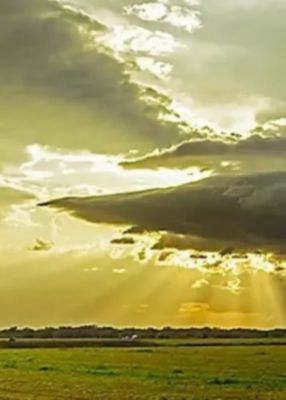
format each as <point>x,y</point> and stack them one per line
<point>256,153</point>
<point>200,284</point>
<point>233,76</point>
<point>246,211</point>
<point>11,197</point>
<point>49,173</point>
<point>127,40</point>
<point>14,212</point>
<point>181,16</point>
<point>190,308</point>
<point>245,48</point>
<point>59,87</point>
<point>159,69</point>
<point>125,240</point>
<point>42,245</point>
<point>183,242</point>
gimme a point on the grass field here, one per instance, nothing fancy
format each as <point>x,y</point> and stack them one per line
<point>141,373</point>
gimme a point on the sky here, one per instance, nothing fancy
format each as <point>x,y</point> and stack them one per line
<point>142,163</point>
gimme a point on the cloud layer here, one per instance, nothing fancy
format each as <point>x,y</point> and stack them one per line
<point>245,211</point>
<point>256,153</point>
<point>58,87</point>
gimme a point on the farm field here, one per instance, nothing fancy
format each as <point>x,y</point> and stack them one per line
<point>143,373</point>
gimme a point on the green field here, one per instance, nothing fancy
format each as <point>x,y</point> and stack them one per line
<point>141,373</point>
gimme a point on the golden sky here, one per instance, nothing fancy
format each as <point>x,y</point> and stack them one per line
<point>142,163</point>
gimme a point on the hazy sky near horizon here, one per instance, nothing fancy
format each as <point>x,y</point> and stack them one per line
<point>153,135</point>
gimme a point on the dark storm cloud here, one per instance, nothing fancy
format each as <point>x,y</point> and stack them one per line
<point>186,242</point>
<point>247,211</point>
<point>42,245</point>
<point>253,153</point>
<point>62,90</point>
<point>125,240</point>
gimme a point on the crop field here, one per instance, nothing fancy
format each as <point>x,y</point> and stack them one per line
<point>142,373</point>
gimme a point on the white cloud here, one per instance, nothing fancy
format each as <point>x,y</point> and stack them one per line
<point>200,283</point>
<point>159,69</point>
<point>119,271</point>
<point>130,39</point>
<point>184,17</point>
<point>50,173</point>
<point>149,11</point>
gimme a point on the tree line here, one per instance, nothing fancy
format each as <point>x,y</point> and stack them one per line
<point>97,332</point>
